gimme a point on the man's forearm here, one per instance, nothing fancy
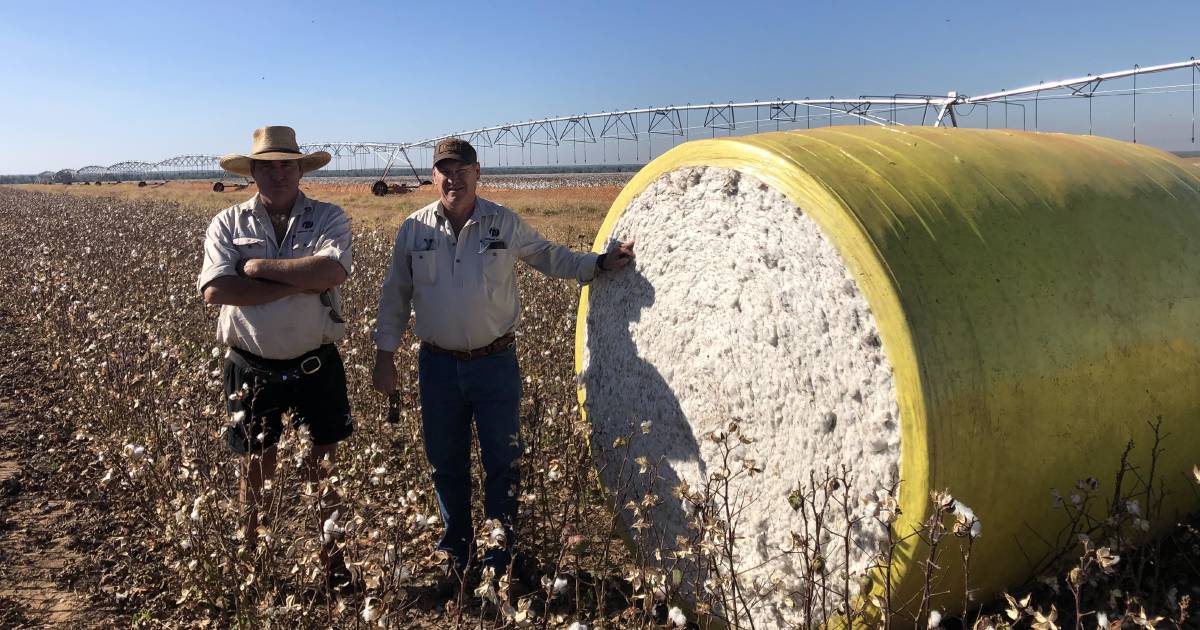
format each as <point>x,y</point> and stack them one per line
<point>236,291</point>
<point>311,273</point>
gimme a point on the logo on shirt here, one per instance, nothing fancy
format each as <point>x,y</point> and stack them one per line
<point>494,232</point>
<point>307,225</point>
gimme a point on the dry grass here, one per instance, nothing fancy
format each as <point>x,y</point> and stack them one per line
<point>572,211</point>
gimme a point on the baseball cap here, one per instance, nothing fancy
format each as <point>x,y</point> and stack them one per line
<point>455,149</point>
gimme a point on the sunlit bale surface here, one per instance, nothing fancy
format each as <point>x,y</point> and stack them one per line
<point>739,310</point>
<point>1031,294</point>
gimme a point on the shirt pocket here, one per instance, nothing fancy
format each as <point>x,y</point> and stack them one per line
<point>424,267</point>
<point>303,245</point>
<point>250,247</point>
<point>497,267</point>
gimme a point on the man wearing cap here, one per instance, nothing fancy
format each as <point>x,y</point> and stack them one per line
<point>273,264</point>
<point>453,267</point>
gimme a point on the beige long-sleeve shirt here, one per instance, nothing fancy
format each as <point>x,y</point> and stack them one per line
<point>463,290</point>
<point>290,326</point>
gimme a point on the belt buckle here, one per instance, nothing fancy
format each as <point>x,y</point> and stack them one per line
<point>304,365</point>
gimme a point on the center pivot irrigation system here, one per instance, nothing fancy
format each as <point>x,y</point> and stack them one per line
<point>677,123</point>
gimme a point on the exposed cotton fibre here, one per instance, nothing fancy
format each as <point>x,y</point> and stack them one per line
<point>739,309</point>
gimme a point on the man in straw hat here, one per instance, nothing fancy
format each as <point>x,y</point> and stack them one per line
<point>453,265</point>
<point>273,263</point>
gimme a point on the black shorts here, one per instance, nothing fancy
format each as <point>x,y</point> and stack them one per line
<point>317,401</point>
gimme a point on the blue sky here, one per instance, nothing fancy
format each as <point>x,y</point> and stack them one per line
<point>97,83</point>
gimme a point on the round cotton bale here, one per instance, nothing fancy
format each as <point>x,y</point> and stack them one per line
<point>994,313</point>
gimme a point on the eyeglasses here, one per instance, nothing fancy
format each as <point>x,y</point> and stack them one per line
<point>326,300</point>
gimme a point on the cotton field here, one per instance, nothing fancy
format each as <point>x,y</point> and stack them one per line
<point>118,498</point>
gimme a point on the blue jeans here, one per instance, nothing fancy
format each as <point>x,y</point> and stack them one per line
<point>453,391</point>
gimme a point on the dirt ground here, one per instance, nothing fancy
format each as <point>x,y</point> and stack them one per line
<point>44,517</point>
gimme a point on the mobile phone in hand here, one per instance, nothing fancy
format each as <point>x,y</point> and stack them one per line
<point>393,415</point>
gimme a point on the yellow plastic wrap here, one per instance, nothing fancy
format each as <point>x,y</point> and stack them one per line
<point>1036,296</point>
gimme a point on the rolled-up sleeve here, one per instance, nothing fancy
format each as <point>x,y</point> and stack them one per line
<point>552,259</point>
<point>220,256</point>
<point>395,298</point>
<point>334,241</point>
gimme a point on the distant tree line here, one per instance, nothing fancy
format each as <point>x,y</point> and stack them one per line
<point>20,179</point>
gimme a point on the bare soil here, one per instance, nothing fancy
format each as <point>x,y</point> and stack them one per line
<point>45,518</point>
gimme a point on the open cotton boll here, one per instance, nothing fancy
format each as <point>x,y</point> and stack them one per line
<point>739,309</point>
<point>677,618</point>
<point>331,530</point>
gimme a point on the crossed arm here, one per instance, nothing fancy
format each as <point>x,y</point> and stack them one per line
<point>265,280</point>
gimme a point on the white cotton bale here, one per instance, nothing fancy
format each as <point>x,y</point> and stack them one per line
<point>1030,294</point>
<point>777,338</point>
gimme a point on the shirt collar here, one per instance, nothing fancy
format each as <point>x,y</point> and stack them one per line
<point>483,208</point>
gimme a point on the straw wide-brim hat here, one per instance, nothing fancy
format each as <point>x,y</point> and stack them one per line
<point>274,143</point>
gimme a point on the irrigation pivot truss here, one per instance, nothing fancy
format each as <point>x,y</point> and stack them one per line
<point>631,134</point>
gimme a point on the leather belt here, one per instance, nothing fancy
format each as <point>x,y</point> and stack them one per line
<point>499,345</point>
<point>291,371</point>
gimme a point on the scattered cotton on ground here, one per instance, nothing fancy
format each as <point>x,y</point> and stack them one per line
<point>739,309</point>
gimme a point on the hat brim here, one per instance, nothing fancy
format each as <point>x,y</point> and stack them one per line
<point>453,156</point>
<point>241,164</point>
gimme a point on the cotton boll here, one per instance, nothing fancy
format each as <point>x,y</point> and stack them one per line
<point>371,610</point>
<point>331,530</point>
<point>134,452</point>
<point>965,521</point>
<point>487,591</point>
